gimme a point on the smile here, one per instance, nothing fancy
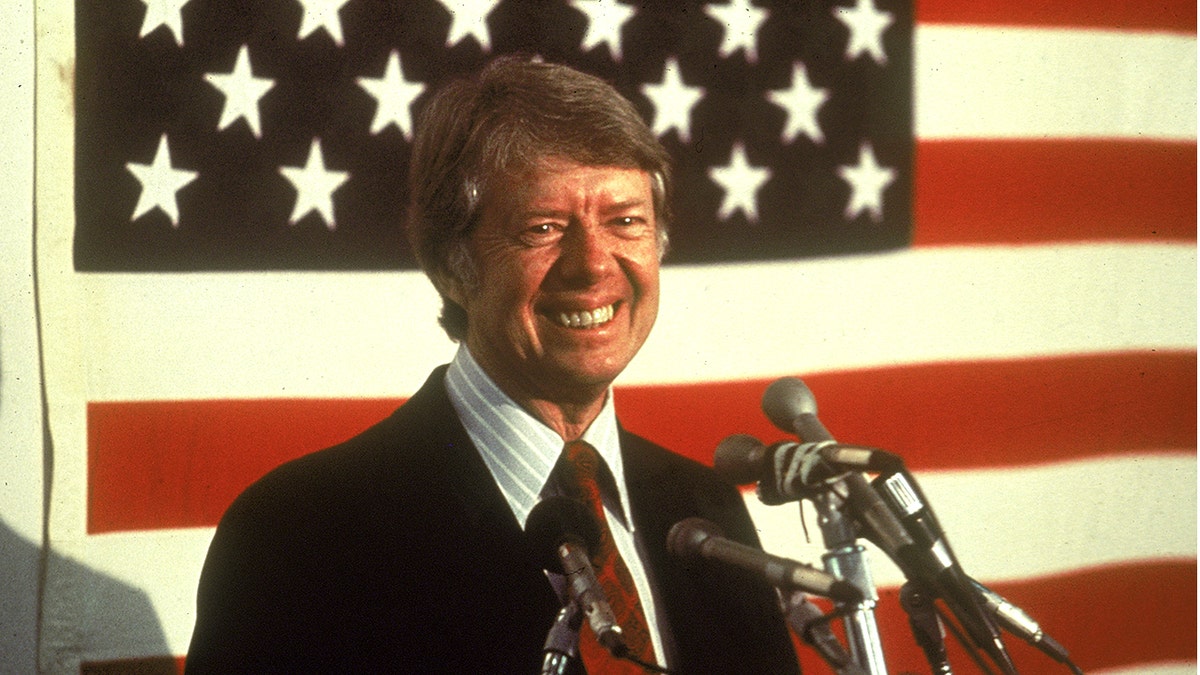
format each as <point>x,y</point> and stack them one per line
<point>587,319</point>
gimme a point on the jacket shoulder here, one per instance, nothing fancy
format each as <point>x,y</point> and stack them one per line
<point>406,444</point>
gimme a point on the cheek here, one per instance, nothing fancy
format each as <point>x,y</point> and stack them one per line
<point>506,294</point>
<point>643,271</point>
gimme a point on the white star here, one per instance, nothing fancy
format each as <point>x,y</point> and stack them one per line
<point>469,17</point>
<point>167,13</point>
<point>742,21</point>
<point>866,26</point>
<point>160,181</point>
<point>242,91</point>
<point>605,18</point>
<point>322,14</point>
<point>801,102</point>
<point>395,96</point>
<point>741,183</point>
<point>673,102</point>
<point>314,186</point>
<point>867,182</point>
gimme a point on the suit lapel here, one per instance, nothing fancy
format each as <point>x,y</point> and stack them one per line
<point>479,521</point>
<point>479,506</point>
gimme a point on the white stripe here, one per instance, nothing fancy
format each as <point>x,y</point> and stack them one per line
<point>1152,669</point>
<point>1011,524</point>
<point>217,335</point>
<point>918,306</point>
<point>1004,524</point>
<point>1009,82</point>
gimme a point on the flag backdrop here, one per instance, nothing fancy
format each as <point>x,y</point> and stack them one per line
<point>969,226</point>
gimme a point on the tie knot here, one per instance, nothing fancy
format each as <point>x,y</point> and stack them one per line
<point>583,459</point>
<point>584,475</point>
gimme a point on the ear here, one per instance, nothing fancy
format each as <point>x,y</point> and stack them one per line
<point>449,286</point>
<point>452,279</point>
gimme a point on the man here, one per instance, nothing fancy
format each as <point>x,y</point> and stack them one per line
<point>539,209</point>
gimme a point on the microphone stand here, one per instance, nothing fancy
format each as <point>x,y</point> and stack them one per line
<point>807,620</point>
<point>846,559</point>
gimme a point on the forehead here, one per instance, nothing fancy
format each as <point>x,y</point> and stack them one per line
<point>560,182</point>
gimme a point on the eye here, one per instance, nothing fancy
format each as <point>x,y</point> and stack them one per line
<point>633,225</point>
<point>537,234</point>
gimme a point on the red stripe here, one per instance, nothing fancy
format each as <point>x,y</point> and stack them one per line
<point>163,464</point>
<point>1161,15</point>
<point>1109,617</point>
<point>166,464</point>
<point>1027,192</point>
<point>955,415</point>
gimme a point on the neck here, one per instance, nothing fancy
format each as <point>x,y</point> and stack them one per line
<point>568,420</point>
<point>568,409</point>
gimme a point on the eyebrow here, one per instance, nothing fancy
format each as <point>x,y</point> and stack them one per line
<point>635,202</point>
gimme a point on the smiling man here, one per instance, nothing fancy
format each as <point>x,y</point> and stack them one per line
<point>539,212</point>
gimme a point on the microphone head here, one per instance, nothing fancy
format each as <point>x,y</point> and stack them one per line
<point>740,459</point>
<point>786,399</point>
<point>558,520</point>
<point>688,535</point>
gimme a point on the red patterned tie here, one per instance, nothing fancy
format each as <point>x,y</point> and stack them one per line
<point>584,465</point>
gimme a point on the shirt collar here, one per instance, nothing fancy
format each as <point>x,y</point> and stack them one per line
<point>518,449</point>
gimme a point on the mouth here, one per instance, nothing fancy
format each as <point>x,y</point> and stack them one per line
<point>586,319</point>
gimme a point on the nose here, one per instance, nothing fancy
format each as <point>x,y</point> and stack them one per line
<point>586,254</point>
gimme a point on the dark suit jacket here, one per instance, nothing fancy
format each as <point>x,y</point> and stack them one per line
<point>396,552</point>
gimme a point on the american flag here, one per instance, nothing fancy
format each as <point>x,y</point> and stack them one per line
<point>971,229</point>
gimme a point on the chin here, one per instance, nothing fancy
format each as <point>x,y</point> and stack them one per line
<point>590,376</point>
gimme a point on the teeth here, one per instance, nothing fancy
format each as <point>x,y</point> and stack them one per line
<point>586,319</point>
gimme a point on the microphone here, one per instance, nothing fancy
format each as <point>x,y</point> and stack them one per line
<point>561,533</point>
<point>787,471</point>
<point>742,459</point>
<point>904,497</point>
<point>937,566</point>
<point>916,544</point>
<point>693,538</point>
<point>562,641</point>
<point>1015,620</point>
<point>791,406</point>
<point>926,628</point>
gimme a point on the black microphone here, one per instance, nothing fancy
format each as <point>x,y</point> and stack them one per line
<point>938,567</point>
<point>562,532</point>
<point>742,459</point>
<point>700,538</point>
<point>791,406</point>
<point>926,627</point>
<point>562,641</point>
<point>924,558</point>
<point>787,471</point>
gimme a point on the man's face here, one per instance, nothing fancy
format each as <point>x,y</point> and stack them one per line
<point>566,257</point>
